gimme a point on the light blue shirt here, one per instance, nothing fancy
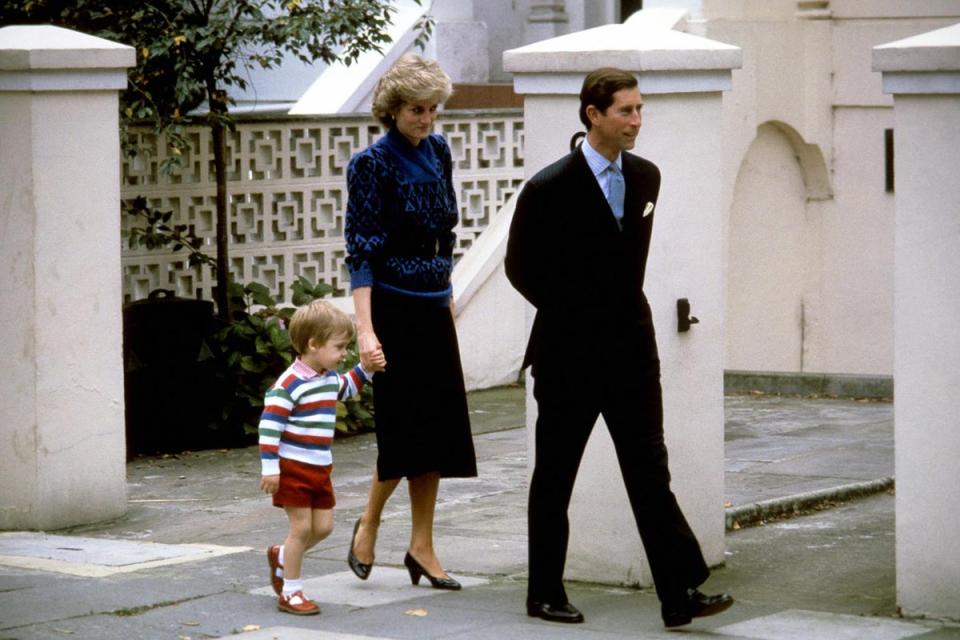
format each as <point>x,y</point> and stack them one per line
<point>598,164</point>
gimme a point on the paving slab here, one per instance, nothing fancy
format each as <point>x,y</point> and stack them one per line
<point>295,633</point>
<point>210,616</point>
<point>795,624</point>
<point>98,557</point>
<point>839,560</point>
<point>780,447</point>
<point>63,598</point>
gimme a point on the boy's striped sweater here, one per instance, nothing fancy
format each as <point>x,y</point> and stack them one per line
<point>300,415</point>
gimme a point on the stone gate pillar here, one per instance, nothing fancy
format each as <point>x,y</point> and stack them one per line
<point>923,74</point>
<point>61,413</point>
<point>682,78</point>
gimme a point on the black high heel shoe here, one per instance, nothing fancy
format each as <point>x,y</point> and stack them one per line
<point>437,583</point>
<point>360,569</point>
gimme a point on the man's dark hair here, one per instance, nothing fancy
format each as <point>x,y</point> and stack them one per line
<point>599,87</point>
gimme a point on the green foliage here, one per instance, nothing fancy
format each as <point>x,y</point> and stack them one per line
<point>253,345</point>
<point>305,292</point>
<point>256,348</point>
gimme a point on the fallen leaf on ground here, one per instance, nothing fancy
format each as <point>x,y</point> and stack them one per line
<point>419,613</point>
<point>251,627</point>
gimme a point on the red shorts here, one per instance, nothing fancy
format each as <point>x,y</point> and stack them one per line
<point>304,485</point>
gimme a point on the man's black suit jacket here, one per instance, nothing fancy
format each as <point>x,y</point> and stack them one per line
<point>568,257</point>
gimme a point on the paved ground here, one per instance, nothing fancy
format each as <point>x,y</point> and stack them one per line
<point>187,560</point>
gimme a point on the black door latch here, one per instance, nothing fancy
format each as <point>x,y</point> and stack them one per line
<point>684,319</point>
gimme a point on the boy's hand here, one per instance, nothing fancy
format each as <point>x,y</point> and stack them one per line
<point>374,361</point>
<point>270,484</point>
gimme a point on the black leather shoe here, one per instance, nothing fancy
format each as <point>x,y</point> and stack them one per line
<point>693,605</point>
<point>417,571</point>
<point>360,569</point>
<point>565,612</point>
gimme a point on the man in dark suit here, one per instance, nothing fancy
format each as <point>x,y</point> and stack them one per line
<point>577,252</point>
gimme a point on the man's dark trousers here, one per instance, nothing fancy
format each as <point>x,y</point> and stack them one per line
<point>568,406</point>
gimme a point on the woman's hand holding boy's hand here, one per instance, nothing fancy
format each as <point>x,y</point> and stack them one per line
<point>270,484</point>
<point>371,352</point>
<point>376,361</point>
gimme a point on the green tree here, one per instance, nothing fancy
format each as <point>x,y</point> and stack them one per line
<point>190,52</point>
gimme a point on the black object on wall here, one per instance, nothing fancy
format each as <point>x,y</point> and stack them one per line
<point>684,319</point>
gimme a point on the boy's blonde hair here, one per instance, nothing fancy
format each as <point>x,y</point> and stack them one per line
<point>410,79</point>
<point>319,320</point>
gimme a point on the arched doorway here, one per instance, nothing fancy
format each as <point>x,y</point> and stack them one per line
<point>771,256</point>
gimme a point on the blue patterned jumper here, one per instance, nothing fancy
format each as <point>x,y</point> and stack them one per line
<point>401,212</point>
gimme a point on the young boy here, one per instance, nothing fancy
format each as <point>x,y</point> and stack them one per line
<point>296,431</point>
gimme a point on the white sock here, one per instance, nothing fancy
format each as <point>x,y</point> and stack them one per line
<point>292,586</point>
<point>280,558</point>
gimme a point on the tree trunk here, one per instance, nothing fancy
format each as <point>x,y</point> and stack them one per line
<point>218,109</point>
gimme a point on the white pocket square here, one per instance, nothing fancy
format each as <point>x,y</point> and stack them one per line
<point>647,210</point>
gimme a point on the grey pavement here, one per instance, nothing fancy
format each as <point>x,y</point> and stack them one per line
<point>187,561</point>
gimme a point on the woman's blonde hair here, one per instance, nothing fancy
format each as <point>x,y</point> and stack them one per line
<point>319,320</point>
<point>410,79</point>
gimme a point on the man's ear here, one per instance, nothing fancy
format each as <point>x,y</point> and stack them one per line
<point>592,113</point>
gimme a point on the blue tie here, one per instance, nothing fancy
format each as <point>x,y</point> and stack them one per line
<point>615,188</point>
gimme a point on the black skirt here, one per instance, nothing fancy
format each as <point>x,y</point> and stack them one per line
<point>419,401</point>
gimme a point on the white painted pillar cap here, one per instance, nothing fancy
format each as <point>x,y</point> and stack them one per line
<point>666,61</point>
<point>928,63</point>
<point>48,58</point>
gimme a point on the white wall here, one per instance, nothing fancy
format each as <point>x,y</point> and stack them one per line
<point>505,28</point>
<point>927,353</point>
<point>768,258</point>
<point>853,332</point>
<point>17,302</point>
<point>61,422</point>
<point>490,328</point>
<point>490,313</point>
<point>923,74</point>
<point>927,412</point>
<point>839,269</point>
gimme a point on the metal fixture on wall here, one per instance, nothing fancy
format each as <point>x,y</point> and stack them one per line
<point>684,319</point>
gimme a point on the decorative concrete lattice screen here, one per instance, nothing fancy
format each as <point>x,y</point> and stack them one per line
<point>287,196</point>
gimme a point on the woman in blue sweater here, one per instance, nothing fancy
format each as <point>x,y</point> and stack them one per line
<point>401,213</point>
